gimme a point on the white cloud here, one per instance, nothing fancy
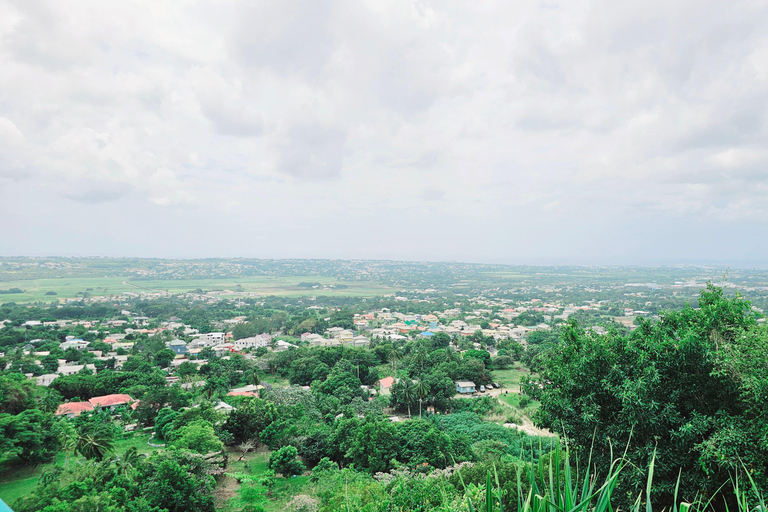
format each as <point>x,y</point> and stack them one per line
<point>562,120</point>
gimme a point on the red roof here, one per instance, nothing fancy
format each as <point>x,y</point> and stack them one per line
<point>242,393</point>
<point>386,382</point>
<point>75,408</point>
<point>110,400</point>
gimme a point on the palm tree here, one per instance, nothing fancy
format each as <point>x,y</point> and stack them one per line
<point>422,391</point>
<point>129,461</point>
<point>450,355</point>
<point>409,393</point>
<point>68,437</point>
<point>394,355</point>
<point>95,439</point>
<point>420,358</point>
<point>215,386</point>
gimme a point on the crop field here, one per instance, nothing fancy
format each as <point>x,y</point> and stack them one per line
<point>47,290</point>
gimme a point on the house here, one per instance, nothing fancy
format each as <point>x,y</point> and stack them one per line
<point>45,380</point>
<point>361,341</point>
<point>223,348</point>
<point>110,401</point>
<point>313,339</point>
<point>334,331</point>
<point>178,346</point>
<point>74,368</point>
<point>385,385</point>
<point>281,345</point>
<point>74,343</point>
<point>210,339</point>
<point>73,409</point>
<point>465,386</point>
<point>252,342</point>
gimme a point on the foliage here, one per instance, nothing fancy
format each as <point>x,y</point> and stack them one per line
<point>689,388</point>
<point>284,461</point>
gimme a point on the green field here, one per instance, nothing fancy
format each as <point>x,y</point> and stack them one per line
<point>73,287</point>
<point>510,379</point>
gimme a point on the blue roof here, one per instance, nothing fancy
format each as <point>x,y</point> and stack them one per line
<point>427,333</point>
<point>4,507</point>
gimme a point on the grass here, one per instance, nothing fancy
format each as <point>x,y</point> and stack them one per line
<point>257,464</point>
<point>274,379</point>
<point>17,480</point>
<point>510,379</point>
<point>69,287</point>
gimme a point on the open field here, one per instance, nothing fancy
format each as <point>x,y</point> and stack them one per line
<point>73,287</point>
<point>510,379</point>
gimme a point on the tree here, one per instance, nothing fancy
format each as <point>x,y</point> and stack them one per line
<point>245,447</point>
<point>50,363</point>
<point>30,435</point>
<point>284,461</point>
<point>250,419</point>
<point>95,438</point>
<point>375,446</point>
<point>440,340</point>
<point>164,422</point>
<point>173,486</point>
<point>198,436</point>
<point>689,388</point>
<point>422,391</point>
<point>164,357</point>
<point>215,386</point>
<point>403,394</point>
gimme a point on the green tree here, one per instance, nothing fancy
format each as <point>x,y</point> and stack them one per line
<point>285,461</point>
<point>684,387</point>
<point>164,357</point>
<point>198,436</point>
<point>95,438</point>
<point>250,419</point>
<point>50,363</point>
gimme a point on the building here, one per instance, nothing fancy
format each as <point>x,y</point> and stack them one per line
<point>252,342</point>
<point>110,401</point>
<point>74,368</point>
<point>73,409</point>
<point>465,386</point>
<point>385,385</point>
<point>178,346</point>
<point>75,343</point>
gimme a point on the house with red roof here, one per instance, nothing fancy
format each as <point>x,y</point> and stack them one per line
<point>385,385</point>
<point>111,401</point>
<point>73,409</point>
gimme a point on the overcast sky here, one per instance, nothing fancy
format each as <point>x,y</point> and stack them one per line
<point>487,131</point>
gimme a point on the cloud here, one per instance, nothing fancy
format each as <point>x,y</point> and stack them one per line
<point>313,152</point>
<point>593,115</point>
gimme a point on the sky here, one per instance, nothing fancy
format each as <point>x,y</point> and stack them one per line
<point>536,132</point>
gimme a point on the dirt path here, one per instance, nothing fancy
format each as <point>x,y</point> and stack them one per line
<point>528,427</point>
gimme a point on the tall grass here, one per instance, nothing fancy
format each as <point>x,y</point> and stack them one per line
<point>558,490</point>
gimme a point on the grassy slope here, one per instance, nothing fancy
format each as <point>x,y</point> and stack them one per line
<point>17,480</point>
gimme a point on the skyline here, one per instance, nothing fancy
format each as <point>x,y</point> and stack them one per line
<point>536,133</point>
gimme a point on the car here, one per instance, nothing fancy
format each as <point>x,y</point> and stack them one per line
<point>489,386</point>
<point>482,389</point>
<point>497,385</point>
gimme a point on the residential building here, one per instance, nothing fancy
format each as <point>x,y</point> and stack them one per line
<point>465,386</point>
